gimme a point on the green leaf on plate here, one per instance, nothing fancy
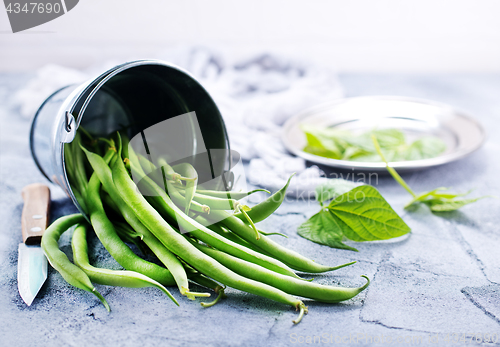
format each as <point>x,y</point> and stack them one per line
<point>423,148</point>
<point>345,145</point>
<point>387,138</point>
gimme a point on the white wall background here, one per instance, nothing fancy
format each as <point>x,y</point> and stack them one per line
<point>352,35</point>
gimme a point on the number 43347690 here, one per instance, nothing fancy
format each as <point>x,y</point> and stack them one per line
<point>34,7</point>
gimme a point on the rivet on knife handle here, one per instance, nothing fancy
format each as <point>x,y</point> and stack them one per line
<point>34,218</point>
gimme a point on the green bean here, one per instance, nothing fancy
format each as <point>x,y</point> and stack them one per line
<point>108,200</point>
<point>179,245</point>
<point>273,233</point>
<point>103,173</point>
<point>230,194</point>
<point>85,132</point>
<point>69,165</point>
<point>80,174</point>
<point>59,261</point>
<point>292,259</point>
<point>329,294</point>
<point>228,204</point>
<point>216,203</point>
<point>125,144</point>
<point>182,201</point>
<point>165,205</point>
<point>79,199</point>
<point>147,165</point>
<point>266,208</point>
<point>204,281</point>
<point>191,178</point>
<point>112,242</point>
<point>200,279</point>
<point>228,234</point>
<point>127,234</point>
<point>108,277</point>
<point>243,210</point>
<point>172,190</point>
<point>125,229</point>
<point>167,169</point>
<point>224,194</point>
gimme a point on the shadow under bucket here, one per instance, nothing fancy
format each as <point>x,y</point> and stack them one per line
<point>146,99</point>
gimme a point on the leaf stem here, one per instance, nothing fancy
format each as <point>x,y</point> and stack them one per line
<point>391,170</point>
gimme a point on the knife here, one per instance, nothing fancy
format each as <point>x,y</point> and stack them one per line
<point>32,263</point>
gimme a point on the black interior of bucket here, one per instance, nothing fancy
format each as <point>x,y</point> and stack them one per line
<point>142,96</point>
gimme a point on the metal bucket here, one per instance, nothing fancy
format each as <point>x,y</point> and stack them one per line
<point>133,96</point>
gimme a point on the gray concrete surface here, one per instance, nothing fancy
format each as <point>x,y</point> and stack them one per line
<point>441,282</point>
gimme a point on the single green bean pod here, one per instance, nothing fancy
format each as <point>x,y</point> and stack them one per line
<point>216,203</point>
<point>127,234</point>
<point>78,159</point>
<point>228,234</point>
<point>69,166</point>
<point>230,194</point>
<point>125,144</point>
<point>59,261</point>
<point>267,207</point>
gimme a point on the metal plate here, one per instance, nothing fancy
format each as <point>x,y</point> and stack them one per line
<point>415,117</point>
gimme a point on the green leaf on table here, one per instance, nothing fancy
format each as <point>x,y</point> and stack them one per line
<point>442,202</point>
<point>366,215</point>
<point>323,229</point>
<point>426,195</point>
<point>445,205</point>
<point>360,214</point>
<point>449,195</point>
<point>435,199</point>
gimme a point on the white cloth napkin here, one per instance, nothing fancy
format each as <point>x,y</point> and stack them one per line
<point>256,95</point>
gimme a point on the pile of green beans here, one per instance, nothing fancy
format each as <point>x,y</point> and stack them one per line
<point>200,236</point>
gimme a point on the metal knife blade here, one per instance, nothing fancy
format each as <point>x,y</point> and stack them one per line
<point>32,263</point>
<point>31,271</point>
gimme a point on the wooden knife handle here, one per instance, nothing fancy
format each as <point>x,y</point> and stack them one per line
<point>35,215</point>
